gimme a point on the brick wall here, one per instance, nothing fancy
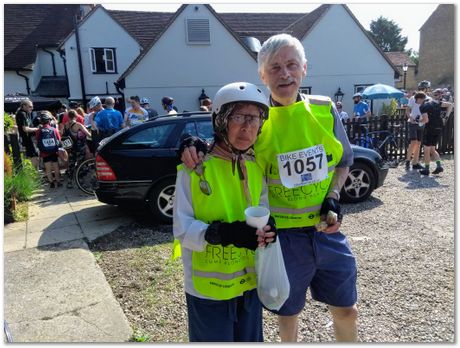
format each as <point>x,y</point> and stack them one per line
<point>437,47</point>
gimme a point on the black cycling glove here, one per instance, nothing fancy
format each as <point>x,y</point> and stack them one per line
<point>272,224</point>
<point>188,140</point>
<point>237,233</point>
<point>331,204</point>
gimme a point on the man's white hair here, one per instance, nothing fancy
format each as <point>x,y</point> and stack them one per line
<point>274,44</point>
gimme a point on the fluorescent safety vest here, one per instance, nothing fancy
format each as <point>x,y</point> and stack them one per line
<point>223,272</point>
<point>298,152</point>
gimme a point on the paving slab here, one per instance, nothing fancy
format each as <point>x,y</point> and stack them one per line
<point>58,293</point>
<point>53,210</point>
<point>53,236</point>
<point>51,223</point>
<point>95,229</point>
<point>95,213</point>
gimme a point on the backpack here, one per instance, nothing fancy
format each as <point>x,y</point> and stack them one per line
<point>47,140</point>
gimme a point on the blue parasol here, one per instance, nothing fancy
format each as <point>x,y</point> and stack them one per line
<point>381,91</point>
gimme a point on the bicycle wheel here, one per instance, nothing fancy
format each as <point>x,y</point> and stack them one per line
<point>85,176</point>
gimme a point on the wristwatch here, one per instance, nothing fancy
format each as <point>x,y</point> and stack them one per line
<point>336,192</point>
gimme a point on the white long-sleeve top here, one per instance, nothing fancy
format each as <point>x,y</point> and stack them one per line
<point>190,231</point>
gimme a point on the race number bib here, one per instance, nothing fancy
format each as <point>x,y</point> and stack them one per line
<point>303,167</point>
<point>67,143</point>
<point>49,142</point>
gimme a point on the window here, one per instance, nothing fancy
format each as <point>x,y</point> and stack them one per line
<point>198,31</point>
<point>153,137</point>
<point>103,60</point>
<point>202,129</point>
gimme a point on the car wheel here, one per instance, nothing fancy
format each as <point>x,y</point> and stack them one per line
<point>359,184</point>
<point>161,200</point>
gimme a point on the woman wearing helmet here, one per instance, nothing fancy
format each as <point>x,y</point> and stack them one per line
<point>209,222</point>
<point>48,141</point>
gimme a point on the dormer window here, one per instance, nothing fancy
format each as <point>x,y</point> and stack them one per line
<point>103,60</point>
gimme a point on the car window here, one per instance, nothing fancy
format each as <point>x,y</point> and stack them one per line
<point>153,137</point>
<point>205,130</point>
<point>202,129</point>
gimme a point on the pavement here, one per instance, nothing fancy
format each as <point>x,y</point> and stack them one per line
<point>54,291</point>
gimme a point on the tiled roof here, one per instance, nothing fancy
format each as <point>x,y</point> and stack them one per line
<point>143,26</point>
<point>304,24</point>
<point>28,25</point>
<point>399,58</point>
<point>259,25</point>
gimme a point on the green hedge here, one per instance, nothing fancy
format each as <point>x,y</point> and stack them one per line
<point>19,187</point>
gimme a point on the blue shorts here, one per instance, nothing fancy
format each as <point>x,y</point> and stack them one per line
<point>323,262</point>
<point>235,320</point>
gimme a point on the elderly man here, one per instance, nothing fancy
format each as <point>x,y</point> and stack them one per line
<point>305,154</point>
<point>26,130</point>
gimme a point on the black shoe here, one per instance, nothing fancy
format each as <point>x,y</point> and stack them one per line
<point>417,166</point>
<point>69,185</point>
<point>52,185</point>
<point>424,172</point>
<point>437,170</point>
<point>59,184</point>
<point>407,165</point>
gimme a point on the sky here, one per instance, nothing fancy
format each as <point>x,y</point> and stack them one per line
<point>409,16</point>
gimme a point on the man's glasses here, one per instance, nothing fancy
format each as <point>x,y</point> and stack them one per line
<point>204,185</point>
<point>250,119</point>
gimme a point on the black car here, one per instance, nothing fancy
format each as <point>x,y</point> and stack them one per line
<point>138,165</point>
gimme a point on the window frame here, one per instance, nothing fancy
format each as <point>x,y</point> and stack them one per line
<point>104,51</point>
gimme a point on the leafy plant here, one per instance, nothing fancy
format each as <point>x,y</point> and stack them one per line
<point>8,122</point>
<point>19,185</point>
<point>389,109</point>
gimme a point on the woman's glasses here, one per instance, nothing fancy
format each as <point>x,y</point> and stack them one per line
<point>204,185</point>
<point>250,119</point>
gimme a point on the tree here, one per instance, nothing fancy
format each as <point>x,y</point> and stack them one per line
<point>387,34</point>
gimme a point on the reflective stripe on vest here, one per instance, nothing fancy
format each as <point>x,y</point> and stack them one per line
<point>224,272</point>
<point>291,128</point>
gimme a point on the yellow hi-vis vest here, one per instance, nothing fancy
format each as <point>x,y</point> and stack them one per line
<point>292,145</point>
<point>224,272</point>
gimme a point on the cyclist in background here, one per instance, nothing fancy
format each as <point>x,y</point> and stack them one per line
<point>145,103</point>
<point>415,131</point>
<point>108,121</point>
<point>135,114</point>
<point>431,116</point>
<point>95,106</point>
<point>78,133</point>
<point>361,109</point>
<point>168,107</point>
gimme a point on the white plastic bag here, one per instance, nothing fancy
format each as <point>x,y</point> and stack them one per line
<point>272,280</point>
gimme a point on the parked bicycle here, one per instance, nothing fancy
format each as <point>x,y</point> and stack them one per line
<point>382,141</point>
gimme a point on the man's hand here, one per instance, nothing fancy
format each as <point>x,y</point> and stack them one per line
<point>330,222</point>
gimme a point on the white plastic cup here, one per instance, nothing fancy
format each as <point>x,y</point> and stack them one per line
<point>257,216</point>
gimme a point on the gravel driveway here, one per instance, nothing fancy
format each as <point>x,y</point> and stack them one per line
<point>402,236</point>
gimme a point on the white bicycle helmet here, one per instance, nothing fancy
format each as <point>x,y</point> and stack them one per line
<point>239,92</point>
<point>145,100</point>
<point>95,101</point>
<point>229,96</point>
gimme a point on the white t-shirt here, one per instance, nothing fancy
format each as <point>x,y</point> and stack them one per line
<point>414,108</point>
<point>136,117</point>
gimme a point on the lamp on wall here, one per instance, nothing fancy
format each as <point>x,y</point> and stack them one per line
<point>202,96</point>
<point>339,95</point>
<point>405,67</point>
